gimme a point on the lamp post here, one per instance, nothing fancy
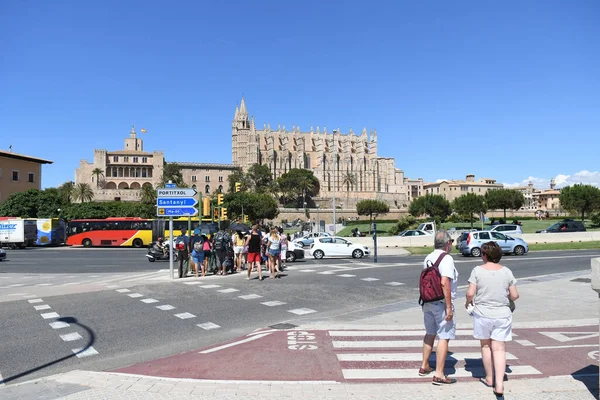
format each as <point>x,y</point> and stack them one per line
<point>334,173</point>
<point>318,219</point>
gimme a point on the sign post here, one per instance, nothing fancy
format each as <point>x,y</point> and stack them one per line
<point>172,201</point>
<point>375,242</point>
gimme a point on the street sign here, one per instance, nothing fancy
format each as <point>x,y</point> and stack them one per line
<point>176,211</point>
<point>176,201</point>
<point>170,185</point>
<point>178,192</point>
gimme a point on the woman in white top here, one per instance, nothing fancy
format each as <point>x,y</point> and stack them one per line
<point>491,291</point>
<point>273,251</point>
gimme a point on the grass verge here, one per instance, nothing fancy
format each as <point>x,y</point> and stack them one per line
<point>532,247</point>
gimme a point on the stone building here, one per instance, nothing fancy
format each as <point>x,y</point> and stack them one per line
<point>348,164</point>
<point>19,173</point>
<point>206,178</point>
<point>452,189</point>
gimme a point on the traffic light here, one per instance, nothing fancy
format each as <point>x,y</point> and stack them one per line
<point>238,186</point>
<point>245,218</point>
<point>206,206</point>
<point>220,199</point>
<point>216,213</point>
<point>223,213</point>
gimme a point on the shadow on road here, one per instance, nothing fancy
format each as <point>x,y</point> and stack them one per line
<point>589,377</point>
<point>68,320</point>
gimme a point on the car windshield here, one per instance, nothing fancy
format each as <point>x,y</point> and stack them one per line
<point>555,226</point>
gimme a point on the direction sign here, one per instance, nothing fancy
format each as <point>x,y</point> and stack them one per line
<point>176,211</point>
<point>176,201</point>
<point>170,185</point>
<point>179,192</point>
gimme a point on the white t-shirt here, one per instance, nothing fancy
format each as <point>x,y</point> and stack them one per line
<point>446,268</point>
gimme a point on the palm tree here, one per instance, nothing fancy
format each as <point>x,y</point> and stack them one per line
<point>148,194</point>
<point>348,180</point>
<point>98,173</point>
<point>83,192</point>
<point>66,192</point>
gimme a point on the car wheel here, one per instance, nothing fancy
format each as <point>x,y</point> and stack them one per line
<point>86,243</point>
<point>476,252</point>
<point>519,250</point>
<point>301,244</point>
<point>137,243</point>
<point>357,253</point>
<point>318,254</point>
<point>290,256</point>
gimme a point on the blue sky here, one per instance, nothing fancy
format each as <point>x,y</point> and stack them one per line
<point>506,90</point>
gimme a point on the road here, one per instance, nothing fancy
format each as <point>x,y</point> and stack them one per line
<point>129,311</point>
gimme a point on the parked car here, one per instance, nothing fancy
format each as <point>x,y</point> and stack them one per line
<point>309,238</point>
<point>566,225</point>
<point>294,252</point>
<point>414,232</point>
<point>337,247</point>
<point>507,229</point>
<point>2,254</point>
<point>471,245</point>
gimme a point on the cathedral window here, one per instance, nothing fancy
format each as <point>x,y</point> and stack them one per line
<point>135,159</point>
<point>116,158</point>
<point>144,159</point>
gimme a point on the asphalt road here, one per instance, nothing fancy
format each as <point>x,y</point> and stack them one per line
<point>124,330</point>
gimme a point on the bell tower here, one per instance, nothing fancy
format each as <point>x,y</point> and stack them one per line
<point>133,142</point>
<point>240,135</point>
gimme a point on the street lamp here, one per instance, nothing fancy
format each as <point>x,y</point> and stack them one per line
<point>318,219</point>
<point>334,171</point>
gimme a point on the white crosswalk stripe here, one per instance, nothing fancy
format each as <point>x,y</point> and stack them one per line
<point>380,355</point>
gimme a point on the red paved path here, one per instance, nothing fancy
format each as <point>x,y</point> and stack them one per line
<point>279,355</point>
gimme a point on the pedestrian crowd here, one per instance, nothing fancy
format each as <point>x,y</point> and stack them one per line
<point>489,300</point>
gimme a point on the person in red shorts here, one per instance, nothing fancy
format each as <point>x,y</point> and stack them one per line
<point>253,244</point>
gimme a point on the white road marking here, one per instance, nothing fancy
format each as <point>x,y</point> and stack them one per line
<point>44,284</point>
<point>306,270</point>
<point>165,307</point>
<point>81,353</point>
<point>410,373</point>
<point>366,344</point>
<point>59,325</point>
<point>302,311</point>
<point>149,301</point>
<point>50,315</point>
<point>185,315</point>
<point>210,286</point>
<point>346,275</point>
<point>250,296</point>
<point>395,283</point>
<point>225,346</point>
<point>525,343</point>
<point>16,285</point>
<point>566,347</point>
<point>562,336</point>
<point>382,333</point>
<point>112,286</point>
<point>230,290</point>
<point>32,301</point>
<point>273,303</point>
<point>135,295</point>
<point>386,357</point>
<point>123,290</point>
<point>42,307</point>
<point>29,296</point>
<point>193,283</point>
<point>69,337</point>
<point>369,279</point>
<point>208,326</point>
<point>327,272</point>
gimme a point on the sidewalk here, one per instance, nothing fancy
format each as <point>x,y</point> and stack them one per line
<point>551,301</point>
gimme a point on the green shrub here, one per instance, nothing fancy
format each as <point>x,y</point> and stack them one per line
<point>596,219</point>
<point>403,224</point>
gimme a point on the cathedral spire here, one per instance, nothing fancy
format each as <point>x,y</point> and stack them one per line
<point>237,111</point>
<point>243,107</point>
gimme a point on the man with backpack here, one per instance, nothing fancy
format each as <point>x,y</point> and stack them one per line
<point>182,244</point>
<point>197,245</point>
<point>437,287</point>
<point>222,246</point>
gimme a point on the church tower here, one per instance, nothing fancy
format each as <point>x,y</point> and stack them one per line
<point>240,135</point>
<point>133,142</point>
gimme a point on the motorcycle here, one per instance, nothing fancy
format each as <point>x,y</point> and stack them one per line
<point>155,253</point>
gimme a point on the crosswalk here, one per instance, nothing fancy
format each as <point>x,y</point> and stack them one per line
<point>379,355</point>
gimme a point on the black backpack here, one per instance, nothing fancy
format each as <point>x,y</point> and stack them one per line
<point>221,240</point>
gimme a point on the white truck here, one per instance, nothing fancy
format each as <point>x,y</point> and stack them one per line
<point>16,232</point>
<point>427,227</point>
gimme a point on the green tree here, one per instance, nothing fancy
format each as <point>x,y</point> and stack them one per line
<point>403,224</point>
<point>32,203</point>
<point>257,206</point>
<point>98,173</point>
<point>433,205</point>
<point>83,192</point>
<point>260,178</point>
<point>299,185</point>
<point>237,176</point>
<point>148,194</point>
<point>172,172</point>
<point>372,208</point>
<point>504,199</point>
<point>469,204</point>
<point>66,191</point>
<point>583,199</point>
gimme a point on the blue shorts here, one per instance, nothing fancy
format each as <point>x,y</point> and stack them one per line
<point>274,253</point>
<point>198,258</point>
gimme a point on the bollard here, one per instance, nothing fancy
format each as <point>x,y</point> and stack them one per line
<point>375,242</point>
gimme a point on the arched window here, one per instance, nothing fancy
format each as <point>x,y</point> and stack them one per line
<point>220,188</point>
<point>207,189</point>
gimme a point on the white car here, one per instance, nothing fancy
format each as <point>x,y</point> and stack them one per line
<point>414,232</point>
<point>309,238</point>
<point>337,247</point>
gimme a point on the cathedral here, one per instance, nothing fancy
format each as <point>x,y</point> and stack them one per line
<point>348,164</point>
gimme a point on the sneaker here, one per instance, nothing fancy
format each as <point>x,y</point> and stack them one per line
<point>425,372</point>
<point>443,381</point>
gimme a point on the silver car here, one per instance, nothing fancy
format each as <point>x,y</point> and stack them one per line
<point>471,244</point>
<point>507,229</point>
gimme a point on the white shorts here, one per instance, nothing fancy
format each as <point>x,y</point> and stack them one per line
<point>434,317</point>
<point>238,249</point>
<point>499,329</point>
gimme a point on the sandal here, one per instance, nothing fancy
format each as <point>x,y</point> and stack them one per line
<point>482,380</point>
<point>498,394</point>
<point>425,372</point>
<point>443,381</point>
